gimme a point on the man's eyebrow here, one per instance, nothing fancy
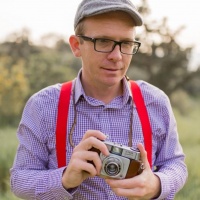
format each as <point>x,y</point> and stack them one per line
<point>111,38</point>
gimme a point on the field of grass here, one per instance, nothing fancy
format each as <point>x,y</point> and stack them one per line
<point>189,134</point>
<point>8,146</point>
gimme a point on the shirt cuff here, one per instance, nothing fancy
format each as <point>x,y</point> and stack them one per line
<point>167,188</point>
<point>56,187</point>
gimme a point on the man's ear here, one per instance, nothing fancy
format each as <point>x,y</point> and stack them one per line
<point>74,44</point>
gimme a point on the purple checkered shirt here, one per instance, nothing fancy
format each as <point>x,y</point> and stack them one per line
<point>35,175</point>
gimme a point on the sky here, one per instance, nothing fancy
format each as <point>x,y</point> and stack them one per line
<point>56,16</point>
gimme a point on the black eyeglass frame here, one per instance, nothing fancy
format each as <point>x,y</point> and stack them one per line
<point>93,40</point>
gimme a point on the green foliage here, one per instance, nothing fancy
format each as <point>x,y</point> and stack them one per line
<point>13,88</point>
<point>189,126</point>
<point>27,68</point>
<point>48,68</point>
<point>30,68</point>
<point>182,102</point>
<point>162,61</point>
<point>8,146</point>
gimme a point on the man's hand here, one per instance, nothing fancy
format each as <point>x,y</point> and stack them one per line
<point>79,168</point>
<point>144,186</point>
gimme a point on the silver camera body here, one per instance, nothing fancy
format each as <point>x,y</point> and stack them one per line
<point>122,162</point>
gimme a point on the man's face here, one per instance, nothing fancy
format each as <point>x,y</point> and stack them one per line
<point>106,69</point>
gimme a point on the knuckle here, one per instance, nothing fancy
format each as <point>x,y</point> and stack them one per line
<point>92,139</point>
<point>76,149</point>
<point>74,163</point>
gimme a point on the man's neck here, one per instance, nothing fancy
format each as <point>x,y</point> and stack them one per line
<point>102,92</point>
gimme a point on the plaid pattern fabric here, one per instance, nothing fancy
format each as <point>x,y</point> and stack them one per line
<point>35,175</point>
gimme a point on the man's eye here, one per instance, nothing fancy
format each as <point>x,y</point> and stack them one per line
<point>104,41</point>
<point>130,44</point>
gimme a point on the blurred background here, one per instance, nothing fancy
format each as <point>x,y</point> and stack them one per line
<point>34,53</point>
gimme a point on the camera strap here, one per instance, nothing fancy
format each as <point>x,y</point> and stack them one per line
<point>62,119</point>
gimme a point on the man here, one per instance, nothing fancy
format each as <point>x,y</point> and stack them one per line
<point>102,106</point>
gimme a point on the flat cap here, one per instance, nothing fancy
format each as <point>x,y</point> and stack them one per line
<point>89,8</point>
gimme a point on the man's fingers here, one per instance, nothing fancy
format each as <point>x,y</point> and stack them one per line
<point>143,154</point>
<point>134,193</point>
<point>90,162</point>
<point>125,183</point>
<point>94,133</point>
<point>91,142</point>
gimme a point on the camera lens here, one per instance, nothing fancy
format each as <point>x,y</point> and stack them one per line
<point>112,167</point>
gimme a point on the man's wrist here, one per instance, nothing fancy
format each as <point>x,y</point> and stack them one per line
<point>157,187</point>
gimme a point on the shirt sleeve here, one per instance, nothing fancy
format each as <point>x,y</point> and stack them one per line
<point>32,176</point>
<point>170,159</point>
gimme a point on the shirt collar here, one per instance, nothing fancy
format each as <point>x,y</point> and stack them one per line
<point>79,91</point>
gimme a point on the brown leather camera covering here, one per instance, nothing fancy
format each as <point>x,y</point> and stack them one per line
<point>134,169</point>
<point>95,150</point>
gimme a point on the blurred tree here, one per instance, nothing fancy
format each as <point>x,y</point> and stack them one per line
<point>192,85</point>
<point>14,87</point>
<point>47,68</point>
<point>161,60</point>
<point>18,46</point>
<point>27,68</point>
<point>62,46</point>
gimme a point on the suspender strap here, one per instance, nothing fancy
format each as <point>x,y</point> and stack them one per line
<point>144,119</point>
<point>61,127</point>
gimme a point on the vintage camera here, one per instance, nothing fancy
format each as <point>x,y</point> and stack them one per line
<point>123,162</point>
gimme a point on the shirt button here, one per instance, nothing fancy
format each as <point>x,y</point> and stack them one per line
<point>111,193</point>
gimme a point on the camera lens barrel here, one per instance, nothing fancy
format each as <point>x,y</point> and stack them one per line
<point>113,166</point>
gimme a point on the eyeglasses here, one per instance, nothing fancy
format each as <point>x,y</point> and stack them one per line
<point>106,45</point>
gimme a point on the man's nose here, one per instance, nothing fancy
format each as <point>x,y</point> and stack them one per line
<point>115,54</point>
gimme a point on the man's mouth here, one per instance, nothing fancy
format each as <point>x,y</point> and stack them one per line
<point>110,69</point>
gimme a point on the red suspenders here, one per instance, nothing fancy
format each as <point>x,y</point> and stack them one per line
<point>144,119</point>
<point>61,127</point>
